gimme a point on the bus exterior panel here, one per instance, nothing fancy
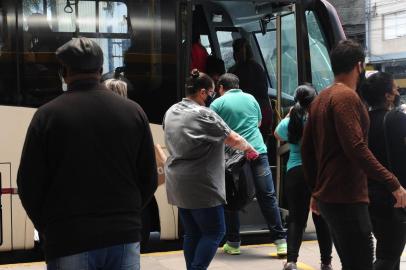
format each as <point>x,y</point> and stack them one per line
<point>18,231</point>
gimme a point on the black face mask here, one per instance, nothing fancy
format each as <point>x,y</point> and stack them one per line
<point>361,80</point>
<point>208,100</point>
<point>396,101</point>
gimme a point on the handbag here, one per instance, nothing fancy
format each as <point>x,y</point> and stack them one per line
<point>240,188</point>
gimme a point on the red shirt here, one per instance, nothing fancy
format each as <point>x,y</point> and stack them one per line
<point>199,57</point>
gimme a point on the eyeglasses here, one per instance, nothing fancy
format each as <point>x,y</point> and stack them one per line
<point>210,92</point>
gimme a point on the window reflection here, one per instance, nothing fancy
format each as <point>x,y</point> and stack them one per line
<point>322,74</point>
<point>113,17</point>
<point>87,16</point>
<point>47,26</point>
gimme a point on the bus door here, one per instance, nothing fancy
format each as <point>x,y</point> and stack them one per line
<point>270,29</point>
<point>295,50</point>
<point>279,47</point>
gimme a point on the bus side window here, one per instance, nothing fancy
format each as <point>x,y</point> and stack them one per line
<point>204,40</point>
<point>8,76</point>
<point>268,46</point>
<point>226,39</point>
<point>322,74</point>
<point>47,26</point>
<point>289,55</point>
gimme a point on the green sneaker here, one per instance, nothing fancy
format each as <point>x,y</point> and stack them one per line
<point>231,250</point>
<point>281,247</point>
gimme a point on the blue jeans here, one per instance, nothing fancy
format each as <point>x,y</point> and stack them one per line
<point>204,229</point>
<point>266,196</point>
<point>120,257</point>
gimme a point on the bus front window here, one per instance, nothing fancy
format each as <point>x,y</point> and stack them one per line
<point>322,74</point>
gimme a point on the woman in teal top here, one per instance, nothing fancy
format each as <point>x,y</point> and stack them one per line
<point>297,192</point>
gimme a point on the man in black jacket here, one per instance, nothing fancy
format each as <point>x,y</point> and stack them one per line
<point>87,169</point>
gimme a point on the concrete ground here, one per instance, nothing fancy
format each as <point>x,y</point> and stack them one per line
<point>252,257</point>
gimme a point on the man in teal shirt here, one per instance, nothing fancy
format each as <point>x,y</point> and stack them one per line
<point>242,114</point>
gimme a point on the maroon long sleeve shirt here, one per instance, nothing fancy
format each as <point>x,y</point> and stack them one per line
<point>336,158</point>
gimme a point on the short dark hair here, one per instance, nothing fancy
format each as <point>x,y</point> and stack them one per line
<point>196,81</point>
<point>229,81</point>
<point>375,87</point>
<point>345,56</point>
<point>242,48</point>
<point>215,66</point>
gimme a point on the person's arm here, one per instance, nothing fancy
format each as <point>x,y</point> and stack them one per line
<point>32,177</point>
<point>309,161</point>
<point>281,131</point>
<point>146,165</point>
<point>347,111</point>
<point>259,113</point>
<point>236,141</point>
<point>396,143</point>
<point>218,127</point>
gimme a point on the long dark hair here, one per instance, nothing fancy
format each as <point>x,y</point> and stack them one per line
<point>304,96</point>
<point>375,87</point>
<point>196,81</point>
<point>242,50</point>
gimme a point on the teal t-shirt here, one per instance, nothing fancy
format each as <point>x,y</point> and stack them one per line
<point>295,156</point>
<point>242,114</point>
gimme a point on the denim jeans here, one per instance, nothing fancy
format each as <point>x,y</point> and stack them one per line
<point>351,230</point>
<point>389,227</point>
<point>266,196</point>
<point>120,257</point>
<point>204,229</point>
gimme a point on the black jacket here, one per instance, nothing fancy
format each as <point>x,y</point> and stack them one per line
<point>396,134</point>
<point>87,169</point>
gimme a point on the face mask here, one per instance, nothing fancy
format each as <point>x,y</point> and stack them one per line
<point>396,101</point>
<point>209,100</point>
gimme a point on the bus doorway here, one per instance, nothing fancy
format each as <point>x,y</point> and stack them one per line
<point>290,43</point>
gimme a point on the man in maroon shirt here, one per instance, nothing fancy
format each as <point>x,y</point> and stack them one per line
<point>337,161</point>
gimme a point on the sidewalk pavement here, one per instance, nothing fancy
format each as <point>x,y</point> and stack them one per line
<point>252,257</point>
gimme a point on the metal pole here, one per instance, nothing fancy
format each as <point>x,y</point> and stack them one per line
<point>278,96</point>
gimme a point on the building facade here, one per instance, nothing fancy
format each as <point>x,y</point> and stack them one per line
<point>352,15</point>
<point>386,37</point>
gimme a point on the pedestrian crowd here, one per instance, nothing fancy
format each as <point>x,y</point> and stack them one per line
<point>88,166</point>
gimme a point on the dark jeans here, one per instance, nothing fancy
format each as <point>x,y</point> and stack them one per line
<point>351,230</point>
<point>120,257</point>
<point>204,229</point>
<point>265,193</point>
<point>389,227</point>
<point>298,197</point>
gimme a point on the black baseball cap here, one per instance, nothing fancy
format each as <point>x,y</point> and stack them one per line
<point>81,54</point>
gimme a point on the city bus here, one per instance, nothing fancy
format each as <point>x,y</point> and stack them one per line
<point>148,42</point>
